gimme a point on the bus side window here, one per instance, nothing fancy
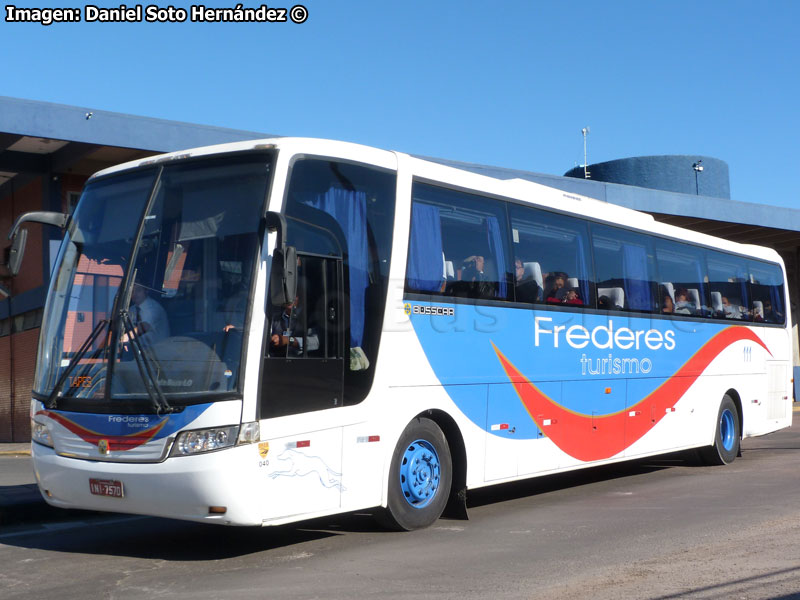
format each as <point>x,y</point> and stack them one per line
<point>625,269</point>
<point>766,289</point>
<point>728,285</point>
<point>551,258</point>
<point>682,271</point>
<point>458,245</point>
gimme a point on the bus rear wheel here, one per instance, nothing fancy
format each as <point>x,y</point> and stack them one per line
<point>420,477</point>
<point>727,436</point>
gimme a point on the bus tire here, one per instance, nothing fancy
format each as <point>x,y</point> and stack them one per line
<point>727,436</point>
<point>420,477</point>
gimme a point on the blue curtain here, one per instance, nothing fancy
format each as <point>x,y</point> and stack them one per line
<point>776,295</point>
<point>637,282</point>
<point>743,275</point>
<point>496,248</point>
<point>349,208</point>
<point>425,262</point>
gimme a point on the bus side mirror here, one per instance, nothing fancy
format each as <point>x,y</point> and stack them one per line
<point>283,278</point>
<point>16,252</point>
<point>19,237</point>
<point>290,274</point>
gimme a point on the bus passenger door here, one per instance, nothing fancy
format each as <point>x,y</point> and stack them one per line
<point>303,365</point>
<point>301,388</point>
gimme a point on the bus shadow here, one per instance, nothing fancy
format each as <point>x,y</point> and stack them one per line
<point>172,540</point>
<point>562,481</point>
<point>163,539</point>
<point>364,521</point>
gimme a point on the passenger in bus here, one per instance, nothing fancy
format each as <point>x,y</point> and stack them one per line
<point>148,316</point>
<point>572,297</point>
<point>667,305</point>
<point>234,307</point>
<point>287,337</point>
<point>770,314</point>
<point>682,304</point>
<point>519,271</point>
<point>479,283</point>
<point>556,292</point>
<point>731,311</point>
<point>472,268</point>
<point>527,288</point>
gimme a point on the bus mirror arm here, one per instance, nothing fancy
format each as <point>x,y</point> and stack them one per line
<point>19,236</point>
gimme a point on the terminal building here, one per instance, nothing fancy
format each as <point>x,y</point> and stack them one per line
<point>48,151</point>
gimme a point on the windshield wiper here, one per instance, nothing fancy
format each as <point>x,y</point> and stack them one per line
<point>88,342</point>
<point>144,362</point>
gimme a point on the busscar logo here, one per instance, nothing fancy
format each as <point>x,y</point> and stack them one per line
<point>263,449</point>
<point>102,446</point>
<point>435,311</point>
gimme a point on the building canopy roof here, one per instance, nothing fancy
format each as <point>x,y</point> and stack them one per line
<point>42,137</point>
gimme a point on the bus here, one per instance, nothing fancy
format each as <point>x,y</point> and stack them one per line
<point>264,332</point>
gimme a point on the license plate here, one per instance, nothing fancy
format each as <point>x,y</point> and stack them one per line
<point>106,487</point>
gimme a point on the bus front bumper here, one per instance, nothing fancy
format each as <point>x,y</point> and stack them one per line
<point>216,487</point>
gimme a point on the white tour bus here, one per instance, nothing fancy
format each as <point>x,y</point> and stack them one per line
<point>262,332</point>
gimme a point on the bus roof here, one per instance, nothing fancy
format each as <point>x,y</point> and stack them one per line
<point>514,188</point>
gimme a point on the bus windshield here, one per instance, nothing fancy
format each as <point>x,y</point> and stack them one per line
<point>157,263</point>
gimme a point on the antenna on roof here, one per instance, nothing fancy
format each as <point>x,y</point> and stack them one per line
<point>586,174</point>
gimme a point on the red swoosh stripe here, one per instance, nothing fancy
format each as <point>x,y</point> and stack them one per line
<point>588,437</point>
<point>115,442</point>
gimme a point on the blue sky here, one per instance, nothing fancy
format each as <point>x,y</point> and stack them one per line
<point>509,83</point>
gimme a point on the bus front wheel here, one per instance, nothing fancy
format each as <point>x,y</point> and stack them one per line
<point>420,476</point>
<point>726,437</point>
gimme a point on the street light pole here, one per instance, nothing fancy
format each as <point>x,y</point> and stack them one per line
<point>586,174</point>
<point>698,167</point>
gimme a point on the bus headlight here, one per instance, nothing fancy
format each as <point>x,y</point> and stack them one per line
<point>205,440</point>
<point>40,434</point>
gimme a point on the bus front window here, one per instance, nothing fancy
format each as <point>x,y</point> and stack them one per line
<point>187,247</point>
<point>89,270</point>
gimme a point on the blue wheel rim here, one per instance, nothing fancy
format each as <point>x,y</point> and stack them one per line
<point>420,473</point>
<point>727,430</point>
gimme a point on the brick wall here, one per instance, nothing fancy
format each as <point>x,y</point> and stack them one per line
<point>26,199</point>
<point>17,368</point>
<point>25,345</point>
<point>5,389</point>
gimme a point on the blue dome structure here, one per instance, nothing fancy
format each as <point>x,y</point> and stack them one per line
<point>684,174</point>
